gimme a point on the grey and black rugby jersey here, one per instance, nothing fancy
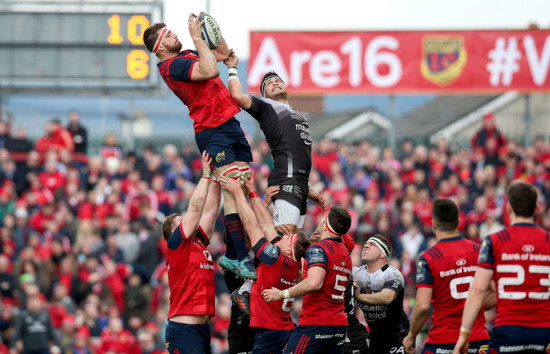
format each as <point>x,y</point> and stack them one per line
<point>388,320</point>
<point>287,133</point>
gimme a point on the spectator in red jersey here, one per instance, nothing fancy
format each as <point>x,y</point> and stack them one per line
<point>110,147</point>
<point>51,178</point>
<point>488,131</point>
<point>56,138</point>
<point>116,339</point>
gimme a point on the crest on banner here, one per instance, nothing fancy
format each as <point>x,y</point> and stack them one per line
<point>443,59</point>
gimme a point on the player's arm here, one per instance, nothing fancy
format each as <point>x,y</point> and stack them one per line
<point>234,84</point>
<point>473,304</point>
<point>207,66</point>
<point>246,214</point>
<point>419,316</point>
<point>490,299</point>
<point>198,199</point>
<point>316,263</point>
<point>265,220</point>
<point>222,52</point>
<point>211,209</point>
<point>384,297</point>
<point>317,198</point>
<point>313,282</point>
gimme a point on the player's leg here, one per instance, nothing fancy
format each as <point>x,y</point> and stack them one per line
<point>185,338</point>
<point>290,206</point>
<point>270,341</point>
<point>316,339</point>
<point>219,143</point>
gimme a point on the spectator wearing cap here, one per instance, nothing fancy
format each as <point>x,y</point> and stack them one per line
<point>487,132</point>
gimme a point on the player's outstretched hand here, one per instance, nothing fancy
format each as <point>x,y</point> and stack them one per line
<point>317,198</point>
<point>195,26</point>
<point>232,60</point>
<point>409,344</point>
<point>462,345</point>
<point>269,193</point>
<point>206,164</point>
<point>250,185</point>
<point>272,294</point>
<point>231,185</point>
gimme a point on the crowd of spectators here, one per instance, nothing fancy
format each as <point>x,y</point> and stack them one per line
<point>80,234</point>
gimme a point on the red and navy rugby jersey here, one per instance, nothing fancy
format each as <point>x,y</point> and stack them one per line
<point>275,270</point>
<point>449,268</point>
<point>209,101</point>
<point>326,306</point>
<point>190,274</point>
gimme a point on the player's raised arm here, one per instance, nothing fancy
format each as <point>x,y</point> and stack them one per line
<point>198,199</point>
<point>207,66</point>
<point>246,214</point>
<point>234,85</point>
<point>211,209</point>
<point>265,221</point>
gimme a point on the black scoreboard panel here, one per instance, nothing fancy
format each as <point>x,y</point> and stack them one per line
<point>85,49</point>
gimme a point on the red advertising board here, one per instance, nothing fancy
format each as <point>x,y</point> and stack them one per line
<point>406,62</point>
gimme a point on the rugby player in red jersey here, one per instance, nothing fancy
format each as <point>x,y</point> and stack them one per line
<point>191,269</point>
<point>193,76</point>
<point>279,267</point>
<point>443,276</point>
<point>323,323</point>
<point>518,259</point>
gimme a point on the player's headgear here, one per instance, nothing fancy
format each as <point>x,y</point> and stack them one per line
<point>268,77</point>
<point>163,32</point>
<point>381,242</point>
<point>337,221</point>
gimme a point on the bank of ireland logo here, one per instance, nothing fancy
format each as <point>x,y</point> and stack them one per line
<point>220,157</point>
<point>207,255</point>
<point>443,59</point>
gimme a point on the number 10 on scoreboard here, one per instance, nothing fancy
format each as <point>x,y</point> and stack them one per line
<point>137,61</point>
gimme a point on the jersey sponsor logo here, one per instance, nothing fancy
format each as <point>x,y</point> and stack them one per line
<point>207,255</point>
<point>461,262</point>
<point>220,157</point>
<point>521,348</point>
<point>341,269</point>
<point>287,188</point>
<point>528,248</point>
<point>343,263</point>
<point>287,282</point>
<point>484,349</point>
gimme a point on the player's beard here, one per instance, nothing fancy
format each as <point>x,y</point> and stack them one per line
<point>279,95</point>
<point>176,48</point>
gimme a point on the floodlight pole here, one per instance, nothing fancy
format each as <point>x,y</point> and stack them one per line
<point>391,135</point>
<point>528,120</point>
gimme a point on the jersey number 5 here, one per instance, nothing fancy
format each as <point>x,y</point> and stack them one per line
<point>340,286</point>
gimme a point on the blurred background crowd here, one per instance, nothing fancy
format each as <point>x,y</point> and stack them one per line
<point>80,236</point>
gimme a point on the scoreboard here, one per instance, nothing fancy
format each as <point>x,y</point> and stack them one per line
<point>76,46</point>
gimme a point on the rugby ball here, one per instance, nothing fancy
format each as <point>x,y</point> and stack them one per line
<point>211,33</point>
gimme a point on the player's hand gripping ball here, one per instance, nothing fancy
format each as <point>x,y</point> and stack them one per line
<point>210,31</point>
